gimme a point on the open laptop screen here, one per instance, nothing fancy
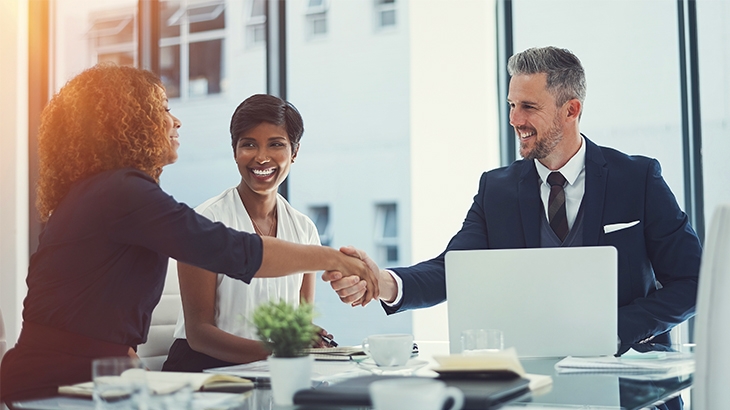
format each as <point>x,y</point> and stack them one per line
<point>548,302</point>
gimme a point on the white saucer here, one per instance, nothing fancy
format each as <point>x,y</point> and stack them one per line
<point>410,366</point>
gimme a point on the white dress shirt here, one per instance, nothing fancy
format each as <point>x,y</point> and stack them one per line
<point>574,172</point>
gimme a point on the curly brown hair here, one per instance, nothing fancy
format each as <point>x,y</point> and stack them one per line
<point>107,117</point>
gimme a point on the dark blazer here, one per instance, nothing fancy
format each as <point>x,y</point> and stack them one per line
<point>619,188</point>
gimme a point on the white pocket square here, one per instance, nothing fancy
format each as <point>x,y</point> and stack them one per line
<point>617,227</point>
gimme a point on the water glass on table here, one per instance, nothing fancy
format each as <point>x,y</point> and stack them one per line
<point>119,383</point>
<point>475,341</point>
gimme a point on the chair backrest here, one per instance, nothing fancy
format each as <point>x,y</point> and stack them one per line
<point>3,340</point>
<point>712,326</point>
<point>3,345</point>
<point>164,317</point>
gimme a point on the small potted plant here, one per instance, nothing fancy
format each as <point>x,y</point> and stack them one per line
<point>287,331</point>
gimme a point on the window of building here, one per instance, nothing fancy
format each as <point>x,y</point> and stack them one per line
<point>113,38</point>
<point>191,47</point>
<point>385,13</point>
<point>316,15</point>
<point>386,233</point>
<point>321,217</point>
<point>256,23</point>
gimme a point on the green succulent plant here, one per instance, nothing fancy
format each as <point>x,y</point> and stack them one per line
<point>285,330</point>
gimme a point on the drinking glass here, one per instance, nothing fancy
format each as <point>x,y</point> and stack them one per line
<point>475,341</point>
<point>119,383</point>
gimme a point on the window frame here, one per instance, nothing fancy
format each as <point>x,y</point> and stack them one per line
<point>186,38</point>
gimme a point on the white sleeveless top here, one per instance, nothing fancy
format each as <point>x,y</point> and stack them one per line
<point>235,300</point>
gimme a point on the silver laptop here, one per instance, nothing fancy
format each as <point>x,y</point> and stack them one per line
<point>548,302</point>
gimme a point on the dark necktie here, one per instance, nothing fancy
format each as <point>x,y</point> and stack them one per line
<point>556,205</point>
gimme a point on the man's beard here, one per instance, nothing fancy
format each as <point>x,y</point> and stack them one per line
<point>545,145</point>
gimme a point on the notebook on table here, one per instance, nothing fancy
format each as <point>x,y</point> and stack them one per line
<point>548,302</point>
<point>478,394</point>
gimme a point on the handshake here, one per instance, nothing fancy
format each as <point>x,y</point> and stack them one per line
<point>359,291</point>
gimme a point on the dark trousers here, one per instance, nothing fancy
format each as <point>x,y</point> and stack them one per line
<point>182,358</point>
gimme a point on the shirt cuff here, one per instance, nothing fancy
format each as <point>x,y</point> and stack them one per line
<point>399,285</point>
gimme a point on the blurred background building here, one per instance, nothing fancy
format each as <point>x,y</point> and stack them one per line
<point>404,105</point>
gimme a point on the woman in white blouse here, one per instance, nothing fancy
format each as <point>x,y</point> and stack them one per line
<point>215,329</point>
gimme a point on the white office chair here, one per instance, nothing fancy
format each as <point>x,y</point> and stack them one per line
<point>712,326</point>
<point>154,352</point>
<point>3,346</point>
<point>3,340</point>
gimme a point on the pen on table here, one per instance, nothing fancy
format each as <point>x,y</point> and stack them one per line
<point>328,340</point>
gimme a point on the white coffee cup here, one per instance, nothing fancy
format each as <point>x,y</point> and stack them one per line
<point>419,393</point>
<point>389,350</point>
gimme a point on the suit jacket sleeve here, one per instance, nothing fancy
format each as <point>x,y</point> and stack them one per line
<point>674,251</point>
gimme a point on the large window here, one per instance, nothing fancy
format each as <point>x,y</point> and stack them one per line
<point>713,32</point>
<point>316,16</point>
<point>633,80</point>
<point>113,37</point>
<point>321,217</point>
<point>386,234</point>
<point>355,92</point>
<point>256,23</point>
<point>385,13</point>
<point>191,47</point>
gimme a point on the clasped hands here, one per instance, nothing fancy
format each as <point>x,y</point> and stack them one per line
<point>355,290</point>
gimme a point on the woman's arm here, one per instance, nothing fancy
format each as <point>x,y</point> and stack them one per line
<point>306,293</point>
<point>198,292</point>
<point>284,258</point>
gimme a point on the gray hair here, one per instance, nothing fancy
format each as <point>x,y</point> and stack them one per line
<point>565,77</point>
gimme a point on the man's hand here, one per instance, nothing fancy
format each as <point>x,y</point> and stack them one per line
<point>352,290</point>
<point>359,271</point>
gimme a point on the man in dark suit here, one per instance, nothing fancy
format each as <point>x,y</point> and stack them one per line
<point>599,197</point>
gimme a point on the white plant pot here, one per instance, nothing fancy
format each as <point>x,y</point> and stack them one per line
<point>289,375</point>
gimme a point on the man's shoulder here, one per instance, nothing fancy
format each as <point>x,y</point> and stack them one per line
<point>599,153</point>
<point>616,157</point>
<point>510,172</point>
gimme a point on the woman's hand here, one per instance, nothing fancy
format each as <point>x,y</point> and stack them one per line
<point>351,289</point>
<point>324,339</point>
<point>355,265</point>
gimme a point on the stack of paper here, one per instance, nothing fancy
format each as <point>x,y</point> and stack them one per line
<point>631,363</point>
<point>168,382</point>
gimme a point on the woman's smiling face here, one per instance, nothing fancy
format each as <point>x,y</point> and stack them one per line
<point>264,156</point>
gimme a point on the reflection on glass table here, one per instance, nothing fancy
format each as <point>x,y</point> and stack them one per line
<point>584,391</point>
<point>601,390</point>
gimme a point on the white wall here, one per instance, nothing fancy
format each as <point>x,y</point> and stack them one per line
<point>454,126</point>
<point>13,162</point>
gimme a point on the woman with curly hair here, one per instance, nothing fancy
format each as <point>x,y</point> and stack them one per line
<point>101,261</point>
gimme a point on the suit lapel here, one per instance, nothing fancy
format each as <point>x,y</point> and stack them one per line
<point>595,193</point>
<point>530,204</point>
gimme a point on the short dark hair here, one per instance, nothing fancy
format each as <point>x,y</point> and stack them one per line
<point>565,77</point>
<point>260,108</point>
